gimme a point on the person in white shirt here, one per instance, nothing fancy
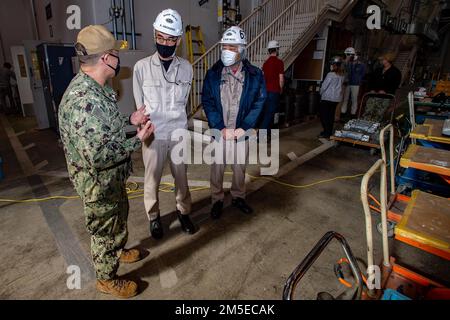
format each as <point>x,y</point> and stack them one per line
<point>162,83</point>
<point>331,93</point>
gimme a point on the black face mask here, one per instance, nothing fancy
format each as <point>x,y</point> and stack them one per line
<point>116,69</point>
<point>165,51</point>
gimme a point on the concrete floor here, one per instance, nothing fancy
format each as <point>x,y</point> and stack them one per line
<point>237,257</point>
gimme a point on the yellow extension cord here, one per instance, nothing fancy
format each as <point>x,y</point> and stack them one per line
<point>133,188</point>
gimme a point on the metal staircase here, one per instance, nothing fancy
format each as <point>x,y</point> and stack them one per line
<point>294,23</point>
<point>405,62</point>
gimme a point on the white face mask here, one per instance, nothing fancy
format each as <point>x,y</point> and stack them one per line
<point>229,57</point>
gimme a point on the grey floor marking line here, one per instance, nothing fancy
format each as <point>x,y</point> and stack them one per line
<point>167,275</point>
<point>67,242</point>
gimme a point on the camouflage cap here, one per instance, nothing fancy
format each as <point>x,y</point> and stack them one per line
<point>97,39</point>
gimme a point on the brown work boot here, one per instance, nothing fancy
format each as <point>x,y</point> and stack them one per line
<point>123,289</point>
<point>130,256</point>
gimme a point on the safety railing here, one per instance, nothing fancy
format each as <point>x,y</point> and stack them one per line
<point>285,25</point>
<point>380,165</point>
<point>289,27</point>
<point>410,63</point>
<point>273,19</point>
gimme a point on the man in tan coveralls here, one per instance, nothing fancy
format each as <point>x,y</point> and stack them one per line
<point>162,83</point>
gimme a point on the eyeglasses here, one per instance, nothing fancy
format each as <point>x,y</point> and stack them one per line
<point>113,55</point>
<point>230,48</point>
<point>170,41</point>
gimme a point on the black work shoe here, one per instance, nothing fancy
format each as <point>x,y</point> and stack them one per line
<point>186,224</point>
<point>156,229</point>
<point>216,210</point>
<point>242,205</point>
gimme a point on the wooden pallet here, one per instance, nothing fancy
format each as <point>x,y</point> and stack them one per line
<point>356,142</point>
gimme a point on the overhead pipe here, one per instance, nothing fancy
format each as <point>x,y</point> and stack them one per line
<point>124,22</point>
<point>2,46</point>
<point>35,25</point>
<point>133,25</point>
<point>114,19</point>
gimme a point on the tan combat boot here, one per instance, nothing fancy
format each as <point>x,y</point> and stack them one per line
<point>123,289</point>
<point>130,256</point>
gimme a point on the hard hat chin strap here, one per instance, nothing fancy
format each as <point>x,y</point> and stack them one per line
<point>242,52</point>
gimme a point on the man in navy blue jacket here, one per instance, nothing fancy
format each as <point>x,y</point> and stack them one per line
<point>233,98</point>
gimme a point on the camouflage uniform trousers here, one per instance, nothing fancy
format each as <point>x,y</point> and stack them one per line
<point>106,221</point>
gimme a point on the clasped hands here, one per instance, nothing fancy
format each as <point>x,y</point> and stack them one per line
<point>231,134</point>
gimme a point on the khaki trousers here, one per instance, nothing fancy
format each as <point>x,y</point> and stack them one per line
<point>354,92</point>
<point>238,167</point>
<point>155,154</point>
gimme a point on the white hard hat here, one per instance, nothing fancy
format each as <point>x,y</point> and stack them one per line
<point>273,45</point>
<point>169,22</point>
<point>234,35</point>
<point>350,50</point>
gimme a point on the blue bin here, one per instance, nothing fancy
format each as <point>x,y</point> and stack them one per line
<point>390,294</point>
<point>2,175</point>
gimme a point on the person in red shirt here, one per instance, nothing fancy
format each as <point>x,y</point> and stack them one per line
<point>273,70</point>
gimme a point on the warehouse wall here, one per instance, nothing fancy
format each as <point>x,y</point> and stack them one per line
<point>12,30</point>
<point>58,22</point>
<point>61,33</point>
<point>97,12</point>
<point>191,12</point>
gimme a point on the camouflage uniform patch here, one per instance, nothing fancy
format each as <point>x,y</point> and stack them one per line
<point>376,108</point>
<point>98,156</point>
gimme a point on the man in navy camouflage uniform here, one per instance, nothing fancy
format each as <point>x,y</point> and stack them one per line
<point>98,154</point>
